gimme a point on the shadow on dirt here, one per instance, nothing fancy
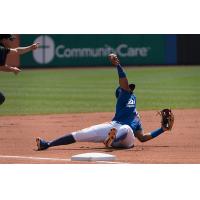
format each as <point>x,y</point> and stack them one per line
<point>104,149</point>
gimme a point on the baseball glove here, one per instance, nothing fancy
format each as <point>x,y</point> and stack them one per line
<point>167,118</point>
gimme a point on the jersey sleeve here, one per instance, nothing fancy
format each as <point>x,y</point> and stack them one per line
<point>3,54</point>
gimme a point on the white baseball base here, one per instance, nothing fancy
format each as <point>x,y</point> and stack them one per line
<point>93,157</point>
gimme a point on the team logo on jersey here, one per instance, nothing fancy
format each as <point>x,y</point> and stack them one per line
<point>131,103</point>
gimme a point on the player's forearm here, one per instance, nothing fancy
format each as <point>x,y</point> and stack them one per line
<point>123,81</point>
<point>7,68</point>
<point>143,138</point>
<point>23,50</point>
<point>148,136</point>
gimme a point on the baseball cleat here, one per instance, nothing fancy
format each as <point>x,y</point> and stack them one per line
<point>111,137</point>
<point>41,144</point>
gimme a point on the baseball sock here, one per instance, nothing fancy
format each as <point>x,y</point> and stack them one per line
<point>157,132</point>
<point>66,139</point>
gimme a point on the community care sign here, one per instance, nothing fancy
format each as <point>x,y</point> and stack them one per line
<point>92,50</point>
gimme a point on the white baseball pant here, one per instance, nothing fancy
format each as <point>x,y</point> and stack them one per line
<point>98,133</point>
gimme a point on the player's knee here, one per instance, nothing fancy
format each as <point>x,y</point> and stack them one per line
<point>126,129</point>
<point>2,98</point>
<point>121,136</point>
<point>123,132</point>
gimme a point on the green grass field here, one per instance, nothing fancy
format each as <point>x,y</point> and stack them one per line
<point>92,90</point>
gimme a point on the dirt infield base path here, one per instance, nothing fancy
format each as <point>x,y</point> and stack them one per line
<point>18,133</point>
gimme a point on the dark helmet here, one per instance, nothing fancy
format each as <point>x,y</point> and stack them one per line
<point>7,36</point>
<point>118,90</point>
<point>2,98</point>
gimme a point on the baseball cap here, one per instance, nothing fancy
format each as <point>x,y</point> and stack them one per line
<point>7,36</point>
<point>132,86</point>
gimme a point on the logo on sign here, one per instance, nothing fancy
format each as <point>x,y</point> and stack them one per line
<point>46,51</point>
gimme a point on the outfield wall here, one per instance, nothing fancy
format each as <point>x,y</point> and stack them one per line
<point>76,50</point>
<point>188,49</point>
<point>92,50</point>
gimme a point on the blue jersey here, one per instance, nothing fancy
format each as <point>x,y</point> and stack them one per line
<point>126,112</point>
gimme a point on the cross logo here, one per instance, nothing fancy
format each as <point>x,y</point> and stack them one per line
<point>46,51</point>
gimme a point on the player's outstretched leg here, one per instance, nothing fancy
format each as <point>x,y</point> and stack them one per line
<point>96,133</point>
<point>64,140</point>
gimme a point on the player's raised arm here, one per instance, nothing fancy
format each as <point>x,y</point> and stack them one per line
<point>123,81</point>
<point>23,50</point>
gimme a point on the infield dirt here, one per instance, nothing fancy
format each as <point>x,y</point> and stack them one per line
<point>18,133</point>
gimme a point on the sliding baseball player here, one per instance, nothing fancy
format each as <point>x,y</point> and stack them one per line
<point>125,126</point>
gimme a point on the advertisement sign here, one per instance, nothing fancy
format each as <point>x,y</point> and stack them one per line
<point>68,50</point>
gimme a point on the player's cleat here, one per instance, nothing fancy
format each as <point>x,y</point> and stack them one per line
<point>41,144</point>
<point>111,137</point>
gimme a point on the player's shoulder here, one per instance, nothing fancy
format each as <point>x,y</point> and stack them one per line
<point>120,92</point>
<point>126,91</point>
<point>4,49</point>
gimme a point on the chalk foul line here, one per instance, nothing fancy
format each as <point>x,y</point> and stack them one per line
<point>52,159</point>
<point>34,158</point>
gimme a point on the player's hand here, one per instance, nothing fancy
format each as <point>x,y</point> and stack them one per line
<point>114,59</point>
<point>16,70</point>
<point>35,46</point>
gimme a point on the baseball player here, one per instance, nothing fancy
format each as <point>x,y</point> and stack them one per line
<point>125,125</point>
<point>5,49</point>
